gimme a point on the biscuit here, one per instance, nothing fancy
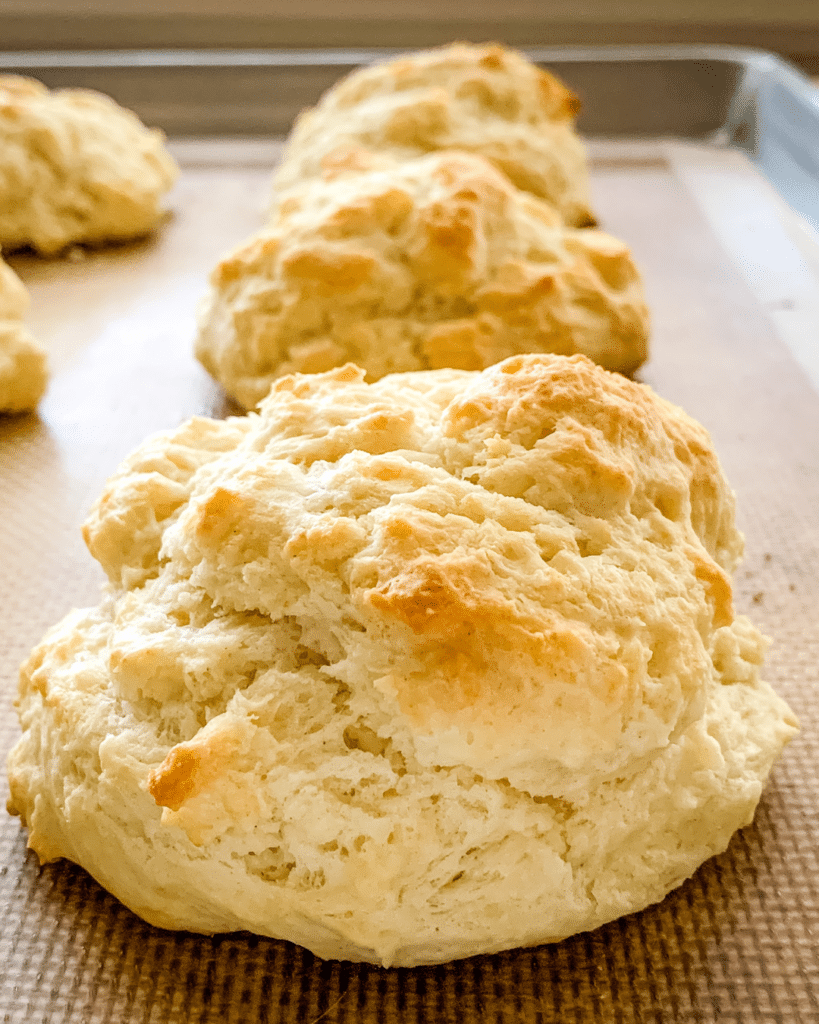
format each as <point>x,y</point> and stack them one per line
<point>75,167</point>
<point>483,99</point>
<point>23,369</point>
<point>438,261</point>
<point>406,671</point>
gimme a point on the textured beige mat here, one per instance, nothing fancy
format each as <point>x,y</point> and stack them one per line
<point>736,342</point>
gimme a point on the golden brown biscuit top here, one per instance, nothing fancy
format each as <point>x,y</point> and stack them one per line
<point>524,567</point>
<point>479,99</point>
<point>489,76</point>
<point>433,262</point>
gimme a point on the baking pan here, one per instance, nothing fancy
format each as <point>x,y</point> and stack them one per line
<point>705,161</point>
<point>741,97</point>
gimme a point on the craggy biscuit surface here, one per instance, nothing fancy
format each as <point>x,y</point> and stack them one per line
<point>438,261</point>
<point>406,671</point>
<point>23,369</point>
<point>483,99</point>
<point>75,167</point>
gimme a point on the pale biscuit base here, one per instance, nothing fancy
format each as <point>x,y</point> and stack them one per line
<point>487,100</point>
<point>435,262</point>
<point>75,167</point>
<point>23,365</point>
<point>408,671</point>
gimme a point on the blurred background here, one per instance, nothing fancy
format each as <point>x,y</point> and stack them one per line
<point>788,27</point>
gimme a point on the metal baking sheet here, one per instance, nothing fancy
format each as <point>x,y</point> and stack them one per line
<point>732,275</point>
<point>741,97</point>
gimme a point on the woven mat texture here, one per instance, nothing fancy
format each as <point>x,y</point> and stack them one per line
<point>738,943</point>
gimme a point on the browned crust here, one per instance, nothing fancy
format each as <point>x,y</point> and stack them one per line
<point>177,778</point>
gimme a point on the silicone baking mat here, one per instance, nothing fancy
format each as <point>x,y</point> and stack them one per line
<point>731,278</point>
